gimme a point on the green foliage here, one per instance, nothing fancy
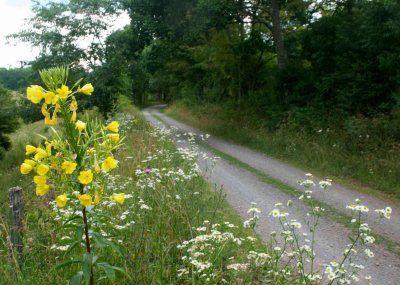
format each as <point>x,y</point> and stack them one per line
<point>16,78</point>
<point>8,119</point>
<point>352,60</point>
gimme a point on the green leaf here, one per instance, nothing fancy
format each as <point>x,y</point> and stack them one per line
<point>72,218</point>
<point>77,83</point>
<point>119,269</point>
<point>66,263</point>
<point>101,242</point>
<point>77,278</point>
<point>87,267</point>
<point>71,247</point>
<point>108,270</point>
<point>79,233</point>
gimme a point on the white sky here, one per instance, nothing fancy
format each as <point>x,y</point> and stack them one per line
<point>13,13</point>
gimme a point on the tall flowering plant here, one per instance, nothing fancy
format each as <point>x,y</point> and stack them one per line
<point>74,163</point>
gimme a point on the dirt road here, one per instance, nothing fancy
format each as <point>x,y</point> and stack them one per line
<point>243,187</point>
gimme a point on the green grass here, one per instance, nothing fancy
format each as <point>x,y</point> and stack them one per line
<point>370,167</point>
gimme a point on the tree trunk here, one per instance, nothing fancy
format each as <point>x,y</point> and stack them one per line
<point>277,35</point>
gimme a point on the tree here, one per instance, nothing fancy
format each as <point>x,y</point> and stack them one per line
<point>69,32</point>
<point>8,119</point>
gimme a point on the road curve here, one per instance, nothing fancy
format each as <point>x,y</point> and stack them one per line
<point>243,187</point>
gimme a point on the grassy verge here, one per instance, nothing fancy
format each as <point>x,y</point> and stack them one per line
<point>165,207</point>
<point>350,161</point>
<point>330,212</point>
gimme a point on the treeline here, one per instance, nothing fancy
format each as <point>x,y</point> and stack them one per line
<point>337,58</point>
<point>308,60</point>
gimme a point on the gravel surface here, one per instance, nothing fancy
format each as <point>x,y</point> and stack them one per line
<point>242,188</point>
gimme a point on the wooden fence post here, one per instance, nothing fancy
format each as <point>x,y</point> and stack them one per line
<point>17,220</point>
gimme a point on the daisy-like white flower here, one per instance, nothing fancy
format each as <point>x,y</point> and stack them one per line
<point>275,213</point>
<point>369,253</point>
<point>331,276</point>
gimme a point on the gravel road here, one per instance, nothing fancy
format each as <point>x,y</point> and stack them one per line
<point>243,187</point>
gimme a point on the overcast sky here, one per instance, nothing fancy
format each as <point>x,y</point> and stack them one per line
<point>13,13</point>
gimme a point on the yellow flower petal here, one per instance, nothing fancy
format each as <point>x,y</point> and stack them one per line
<point>87,89</point>
<point>50,97</point>
<point>63,92</point>
<point>113,137</point>
<point>85,177</point>
<point>96,199</point>
<point>109,164</point>
<point>85,200</point>
<point>25,168</point>
<point>35,93</point>
<point>40,154</point>
<point>42,169</point>
<point>80,125</point>
<point>119,198</point>
<point>30,162</point>
<point>40,180</point>
<point>30,149</point>
<point>42,189</point>
<point>74,105</point>
<point>68,167</point>
<point>61,201</point>
<point>113,126</point>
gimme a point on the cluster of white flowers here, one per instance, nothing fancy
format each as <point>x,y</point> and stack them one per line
<point>200,254</point>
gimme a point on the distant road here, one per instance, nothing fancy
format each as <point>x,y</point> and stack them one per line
<point>243,187</point>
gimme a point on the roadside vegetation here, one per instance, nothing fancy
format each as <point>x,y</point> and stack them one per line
<point>360,152</point>
<point>314,83</point>
<point>116,202</point>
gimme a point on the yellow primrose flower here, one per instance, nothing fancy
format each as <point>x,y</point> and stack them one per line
<point>97,168</point>
<point>50,121</point>
<point>63,92</point>
<point>48,147</point>
<point>113,137</point>
<point>40,180</point>
<point>42,189</point>
<point>30,149</point>
<point>50,97</point>
<point>42,169</point>
<point>35,93</point>
<point>113,126</point>
<point>85,200</point>
<point>57,108</point>
<point>25,168</point>
<point>87,89</point>
<point>73,116</point>
<point>85,177</point>
<point>44,110</point>
<point>30,162</point>
<point>109,164</point>
<point>96,199</point>
<point>119,198</point>
<point>80,125</point>
<point>61,201</point>
<point>40,154</point>
<point>74,105</point>
<point>68,167</point>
